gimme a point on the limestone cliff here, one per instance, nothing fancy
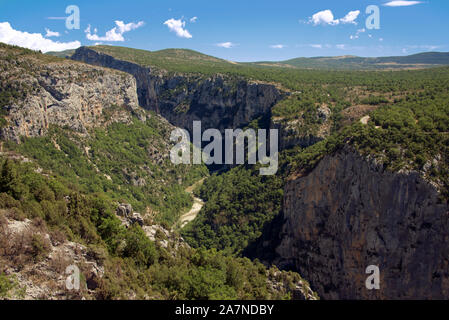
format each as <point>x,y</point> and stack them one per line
<point>302,127</point>
<point>74,95</point>
<point>218,101</point>
<point>349,213</point>
<point>289,136</point>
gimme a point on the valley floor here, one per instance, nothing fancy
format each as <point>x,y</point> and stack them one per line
<point>196,207</point>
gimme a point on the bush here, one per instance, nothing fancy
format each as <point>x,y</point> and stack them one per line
<point>6,285</point>
<point>139,247</point>
<point>39,247</point>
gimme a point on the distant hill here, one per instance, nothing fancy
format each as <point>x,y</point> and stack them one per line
<point>419,60</point>
<point>439,58</point>
<point>186,60</point>
<point>169,59</point>
<point>62,54</point>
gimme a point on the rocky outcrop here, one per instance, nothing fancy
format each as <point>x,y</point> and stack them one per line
<point>297,132</point>
<point>63,93</point>
<point>144,83</point>
<point>289,136</point>
<point>127,215</point>
<point>46,278</point>
<point>156,233</point>
<point>217,101</point>
<point>282,281</point>
<point>349,213</point>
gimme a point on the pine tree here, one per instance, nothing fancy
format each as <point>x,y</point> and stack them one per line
<point>9,180</point>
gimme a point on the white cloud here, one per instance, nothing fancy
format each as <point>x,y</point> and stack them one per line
<point>350,17</point>
<point>178,27</point>
<point>226,45</point>
<point>413,48</point>
<point>56,18</point>
<point>277,46</point>
<point>115,34</point>
<point>425,47</point>
<point>326,17</point>
<point>357,34</point>
<point>34,41</point>
<point>194,19</point>
<point>340,46</point>
<point>431,48</point>
<point>401,3</point>
<point>314,45</point>
<point>51,33</point>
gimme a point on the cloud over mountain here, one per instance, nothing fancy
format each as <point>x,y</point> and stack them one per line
<point>226,45</point>
<point>116,33</point>
<point>401,3</point>
<point>34,41</point>
<point>50,33</point>
<point>178,27</point>
<point>326,17</point>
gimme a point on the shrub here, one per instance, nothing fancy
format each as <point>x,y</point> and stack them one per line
<point>39,247</point>
<point>6,285</point>
<point>139,247</point>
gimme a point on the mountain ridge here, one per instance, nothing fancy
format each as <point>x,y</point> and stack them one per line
<point>354,62</point>
<point>80,159</point>
<point>345,62</point>
<point>398,120</point>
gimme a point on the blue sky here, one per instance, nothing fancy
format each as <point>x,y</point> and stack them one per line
<point>240,30</point>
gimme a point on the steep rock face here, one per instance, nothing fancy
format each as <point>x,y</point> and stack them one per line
<point>71,95</point>
<point>218,101</point>
<point>45,278</point>
<point>140,73</point>
<point>289,137</point>
<point>348,214</point>
<point>296,131</point>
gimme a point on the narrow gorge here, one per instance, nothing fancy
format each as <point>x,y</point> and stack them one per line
<point>344,215</point>
<point>349,213</point>
<point>218,101</point>
<point>247,154</point>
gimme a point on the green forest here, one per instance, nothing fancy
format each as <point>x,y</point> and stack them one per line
<point>70,184</point>
<point>141,265</point>
<point>407,131</point>
<point>111,150</point>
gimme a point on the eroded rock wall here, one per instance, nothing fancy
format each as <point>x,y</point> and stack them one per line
<point>349,213</point>
<point>217,101</point>
<point>71,95</point>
